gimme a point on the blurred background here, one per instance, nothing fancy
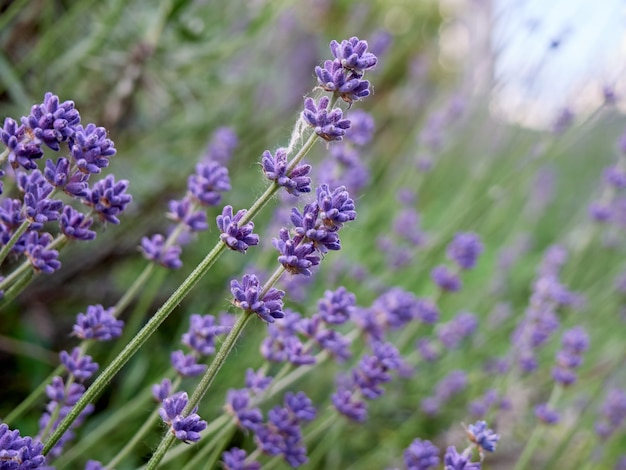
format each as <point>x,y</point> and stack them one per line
<point>491,116</point>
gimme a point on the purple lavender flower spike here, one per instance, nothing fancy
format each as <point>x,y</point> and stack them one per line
<point>452,460</point>
<point>421,455</point>
<point>235,459</point>
<point>612,413</point>
<point>426,311</point>
<point>58,175</point>
<point>256,382</point>
<point>109,199</point>
<point>155,250</point>
<point>465,249</point>
<point>237,238</point>
<point>98,324</point>
<point>187,365</point>
<point>362,127</point>
<point>275,169</point>
<point>80,366</point>
<point>348,405</point>
<point>482,436</point>
<point>23,150</point>
<point>247,297</point>
<point>93,465</point>
<point>307,226</point>
<point>185,428</point>
<point>546,414</point>
<point>42,259</point>
<point>237,405</point>
<point>173,406</point>
<point>202,333</point>
<point>300,406</point>
<point>181,211</point>
<point>446,279</point>
<point>52,122</point>
<point>329,125</point>
<point>75,225</point>
<point>11,215</point>
<point>337,306</point>
<point>222,145</point>
<point>427,350</point>
<point>615,176</point>
<point>38,208</point>
<point>452,384</point>
<point>206,184</point>
<point>296,258</point>
<point>353,55</point>
<point>19,453</point>
<point>91,149</point>
<point>336,206</point>
<point>162,390</point>
<point>333,79</point>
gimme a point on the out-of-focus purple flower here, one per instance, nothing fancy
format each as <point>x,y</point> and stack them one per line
<point>42,259</point>
<point>93,465</point>
<point>427,350</point>
<point>352,54</point>
<point>185,428</point>
<point>612,413</point>
<point>563,121</point>
<point>275,169</point>
<point>465,249</point>
<point>256,382</point>
<point>336,306</point>
<point>348,405</point>
<point>237,405</point>
<point>17,453</point>
<point>108,198</point>
<point>446,279</point>
<point>295,258</point>
<point>362,127</point>
<point>300,406</point>
<point>452,333</point>
<point>609,95</point>
<point>162,390</point>
<point>407,226</point>
<point>615,176</point>
<point>80,366</point>
<point>421,455</point>
<point>155,249</point>
<point>75,225</point>
<point>202,333</point>
<point>482,436</point>
<point>187,365</point>
<point>452,460</point>
<point>236,237</point>
<point>182,211</point>
<point>247,297</point>
<point>329,125</point>
<point>574,342</point>
<point>206,184</point>
<point>235,459</point>
<point>397,306</point>
<point>222,145</point>
<point>335,343</point>
<point>600,211</point>
<point>91,149</point>
<point>98,324</point>
<point>452,384</point>
<point>546,414</point>
<point>336,206</point>
<point>426,311</point>
<point>22,149</point>
<point>481,406</point>
<point>373,370</point>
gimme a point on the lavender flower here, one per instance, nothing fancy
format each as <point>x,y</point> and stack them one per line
<point>336,306</point>
<point>222,145</point>
<point>182,211</point>
<point>446,279</point>
<point>421,455</point>
<point>361,127</point>
<point>42,259</point>
<point>329,125</point>
<point>38,208</point>
<point>575,342</point>
<point>52,122</point>
<point>17,453</point>
<point>612,413</point>
<point>187,365</point>
<point>23,150</point>
<point>295,258</point>
<point>257,381</point>
<point>202,333</point>
<point>162,390</point>
<point>109,199</point>
<point>350,87</point>
<point>98,324</point>
<point>206,184</point>
<point>465,249</point>
<point>237,238</point>
<point>336,206</point>
<point>247,297</point>
<point>482,436</point>
<point>346,403</point>
<point>75,225</point>
<point>91,149</point>
<point>58,175</point>
<point>275,169</point>
<point>235,459</point>
<point>155,249</point>
<point>80,366</point>
<point>373,370</point>
<point>309,228</point>
<point>452,460</point>
<point>186,429</point>
<point>353,55</point>
<point>546,414</point>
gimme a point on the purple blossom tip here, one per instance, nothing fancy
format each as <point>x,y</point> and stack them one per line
<point>80,366</point>
<point>329,125</point>
<point>275,169</point>
<point>452,460</point>
<point>155,249</point>
<point>421,455</point>
<point>185,428</point>
<point>98,324</point>
<point>109,198</point>
<point>206,184</point>
<point>465,249</point>
<point>482,436</point>
<point>446,279</point>
<point>296,258</point>
<point>237,237</point>
<point>247,296</point>
<point>336,206</point>
<point>352,54</point>
<point>187,365</point>
<point>41,258</point>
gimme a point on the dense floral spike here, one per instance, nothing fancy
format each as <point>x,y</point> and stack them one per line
<point>237,405</point>
<point>222,145</point>
<point>75,225</point>
<point>182,211</point>
<point>452,460</point>
<point>373,370</point>
<point>185,428</point>
<point>109,199</point>
<point>453,332</point>
<point>38,208</point>
<point>256,382</point>
<point>612,413</point>
<point>206,184</point>
<point>275,169</point>
<point>91,149</point>
<point>202,333</point>
<point>353,55</point>
<point>162,390</point>
<point>154,249</point>
<point>19,453</point>
<point>546,414</point>
<point>484,438</point>
<point>236,237</point>
<point>446,279</point>
<point>349,405</point>
<point>309,228</point>
<point>421,455</point>
<point>336,206</point>
<point>465,249</point>
<point>52,122</point>
<point>42,259</point>
<point>58,175</point>
<point>297,258</point>
<point>575,341</point>
<point>186,365</point>
<point>329,125</point>
<point>336,306</point>
<point>22,149</point>
<point>80,366</point>
<point>247,297</point>
<point>235,459</point>
<point>349,87</point>
<point>98,324</point>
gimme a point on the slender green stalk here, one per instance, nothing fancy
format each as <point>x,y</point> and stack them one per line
<point>205,383</point>
<point>13,240</point>
<point>17,287</point>
<point>210,453</point>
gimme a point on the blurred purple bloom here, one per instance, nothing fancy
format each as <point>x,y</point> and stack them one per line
<point>182,211</point>
<point>80,366</point>
<point>373,370</point>
<point>237,405</point>
<point>482,436</point>
<point>336,306</point>
<point>256,382</point>
<point>300,406</point>
<point>235,459</point>
<point>162,390</point>
<point>201,334</point>
<point>421,455</point>
<point>247,297</point>
<point>361,127</point>
<point>206,184</point>
<point>186,365</point>
<point>93,465</point>
<point>615,176</point>
<point>452,333</point>
<point>329,125</point>
<point>236,237</point>
<point>452,384</point>
<point>563,121</point>
<point>155,249</point>
<point>426,311</point>
<point>109,199</point>
<point>98,324</point>
<point>222,145</point>
<point>42,259</point>
<point>465,249</point>
<point>452,460</point>
<point>427,350</point>
<point>275,169</point>
<point>348,405</point>
<point>446,279</point>
<point>546,414</point>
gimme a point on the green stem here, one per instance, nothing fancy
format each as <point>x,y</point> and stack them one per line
<point>16,288</point>
<point>13,240</point>
<point>205,383</point>
<point>210,453</point>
